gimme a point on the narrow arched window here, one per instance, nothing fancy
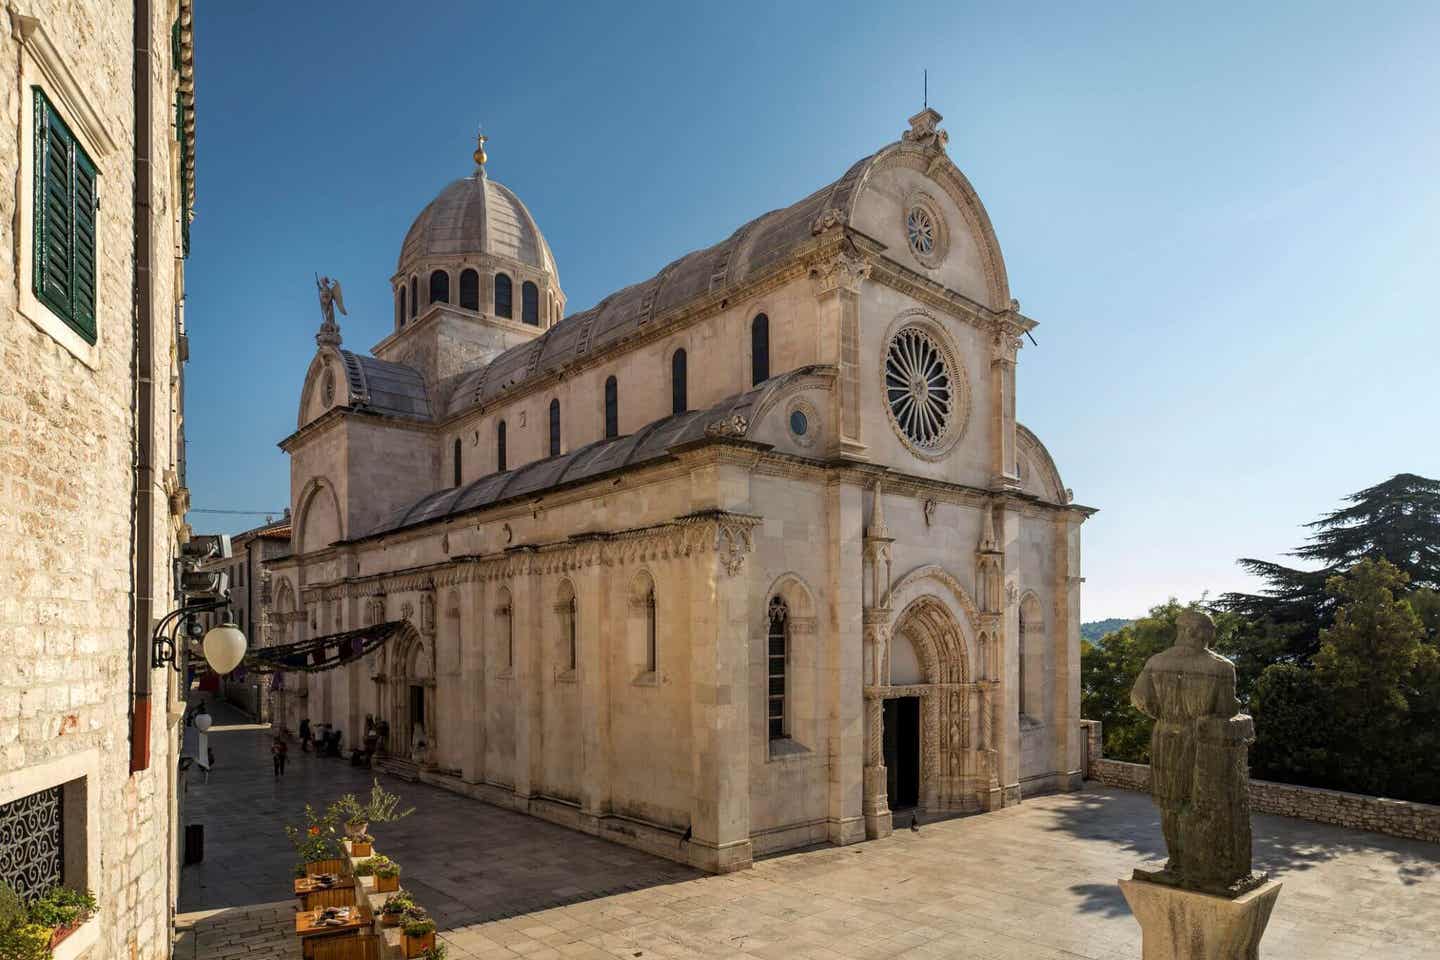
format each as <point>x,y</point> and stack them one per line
<point>574,639</point>
<point>457,461</point>
<point>504,306</point>
<point>400,306</point>
<point>555,427</point>
<point>414,296</point>
<point>612,408</point>
<point>650,631</point>
<point>530,304</point>
<point>777,656</point>
<point>678,393</point>
<point>759,349</point>
<point>439,287</point>
<point>507,627</point>
<point>470,289</point>
<point>500,446</point>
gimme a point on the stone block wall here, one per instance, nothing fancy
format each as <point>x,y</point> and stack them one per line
<point>1397,818</point>
<point>66,480</point>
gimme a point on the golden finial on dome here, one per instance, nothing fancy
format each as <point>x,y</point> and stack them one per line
<point>479,154</point>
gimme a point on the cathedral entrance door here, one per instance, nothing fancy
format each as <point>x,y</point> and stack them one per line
<point>417,708</point>
<point>902,752</point>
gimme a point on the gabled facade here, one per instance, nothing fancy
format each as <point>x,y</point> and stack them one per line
<point>754,549</point>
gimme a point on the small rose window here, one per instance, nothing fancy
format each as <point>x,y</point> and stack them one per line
<point>920,230</point>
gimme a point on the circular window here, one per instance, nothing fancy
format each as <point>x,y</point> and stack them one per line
<point>920,229</point>
<point>798,423</point>
<point>920,389</point>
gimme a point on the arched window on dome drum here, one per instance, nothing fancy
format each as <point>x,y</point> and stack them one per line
<point>555,427</point>
<point>400,306</point>
<point>612,408</point>
<point>500,447</point>
<point>439,287</point>
<point>504,305</point>
<point>530,304</point>
<point>470,290</point>
<point>457,461</point>
<point>678,393</point>
<point>414,296</point>
<point>759,349</point>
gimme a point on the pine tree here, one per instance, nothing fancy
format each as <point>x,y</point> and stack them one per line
<point>1397,521</point>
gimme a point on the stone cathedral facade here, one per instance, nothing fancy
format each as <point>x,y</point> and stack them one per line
<point>745,557</point>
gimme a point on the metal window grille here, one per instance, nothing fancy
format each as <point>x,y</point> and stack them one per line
<point>32,843</point>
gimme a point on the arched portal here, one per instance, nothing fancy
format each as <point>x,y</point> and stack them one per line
<point>925,715</point>
<point>408,697</point>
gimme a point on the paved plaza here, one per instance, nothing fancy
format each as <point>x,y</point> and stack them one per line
<point>1033,882</point>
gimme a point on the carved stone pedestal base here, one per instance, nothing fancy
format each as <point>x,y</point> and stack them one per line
<point>1177,924</point>
<point>878,821</point>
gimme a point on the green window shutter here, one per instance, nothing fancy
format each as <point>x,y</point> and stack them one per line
<point>66,197</point>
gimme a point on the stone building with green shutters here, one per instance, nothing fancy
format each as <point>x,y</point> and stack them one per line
<point>98,185</point>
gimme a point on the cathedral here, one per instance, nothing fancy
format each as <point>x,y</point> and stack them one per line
<point>748,556</point>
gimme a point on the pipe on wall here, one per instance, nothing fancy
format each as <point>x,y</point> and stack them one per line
<point>142,354</point>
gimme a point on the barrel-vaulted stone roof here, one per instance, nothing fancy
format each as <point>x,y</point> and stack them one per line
<point>731,417</point>
<point>748,253</point>
<point>389,389</point>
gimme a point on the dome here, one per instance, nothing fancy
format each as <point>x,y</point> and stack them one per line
<point>476,215</point>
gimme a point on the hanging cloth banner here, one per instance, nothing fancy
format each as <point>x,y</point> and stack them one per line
<point>321,653</point>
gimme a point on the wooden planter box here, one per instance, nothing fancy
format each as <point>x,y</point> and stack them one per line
<point>386,884</point>
<point>361,848</point>
<point>414,946</point>
<point>389,919</point>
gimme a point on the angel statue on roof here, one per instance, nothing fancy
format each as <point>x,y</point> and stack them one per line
<point>330,298</point>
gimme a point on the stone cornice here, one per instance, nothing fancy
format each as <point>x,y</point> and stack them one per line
<point>728,535</point>
<point>338,414</point>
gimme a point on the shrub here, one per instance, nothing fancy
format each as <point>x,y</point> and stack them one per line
<point>436,952</point>
<point>62,907</point>
<point>418,926</point>
<point>397,903</point>
<point>25,941</point>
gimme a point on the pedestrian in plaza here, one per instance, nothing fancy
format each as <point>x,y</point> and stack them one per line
<point>305,734</point>
<point>279,749</point>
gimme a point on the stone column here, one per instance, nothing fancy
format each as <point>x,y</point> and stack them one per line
<point>1007,700</point>
<point>878,822</point>
<point>592,606</point>
<point>837,290</point>
<point>721,737</point>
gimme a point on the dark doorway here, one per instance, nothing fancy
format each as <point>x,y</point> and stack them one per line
<point>417,708</point>
<point>902,752</point>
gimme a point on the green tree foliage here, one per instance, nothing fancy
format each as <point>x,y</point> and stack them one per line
<point>1108,671</point>
<point>1398,520</point>
<point>1095,630</point>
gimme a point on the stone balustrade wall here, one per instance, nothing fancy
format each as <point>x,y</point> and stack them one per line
<point>1397,818</point>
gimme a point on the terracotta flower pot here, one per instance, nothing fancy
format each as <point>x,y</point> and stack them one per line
<point>389,919</point>
<point>60,933</point>
<point>386,884</point>
<point>414,946</point>
<point>353,830</point>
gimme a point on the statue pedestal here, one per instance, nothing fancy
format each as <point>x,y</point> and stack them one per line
<point>1179,924</point>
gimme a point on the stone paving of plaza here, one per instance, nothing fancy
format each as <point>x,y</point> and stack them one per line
<point>1033,882</point>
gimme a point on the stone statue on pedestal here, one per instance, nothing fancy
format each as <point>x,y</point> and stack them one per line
<point>1199,775</point>
<point>1206,904</point>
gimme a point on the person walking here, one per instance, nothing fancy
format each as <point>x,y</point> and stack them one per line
<point>279,749</point>
<point>305,734</point>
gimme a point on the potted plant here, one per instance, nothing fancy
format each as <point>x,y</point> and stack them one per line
<point>382,807</point>
<point>366,867</point>
<point>387,875</point>
<point>20,937</point>
<point>419,935</point>
<point>62,910</point>
<point>395,907</point>
<point>436,951</point>
<point>361,845</point>
<point>314,839</point>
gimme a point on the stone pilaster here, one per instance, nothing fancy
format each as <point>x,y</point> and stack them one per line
<point>592,595</point>
<point>474,654</point>
<point>845,666</point>
<point>1004,345</point>
<point>720,712</point>
<point>837,290</point>
<point>527,622</point>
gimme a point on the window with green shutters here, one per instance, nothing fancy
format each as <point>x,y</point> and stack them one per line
<point>66,196</point>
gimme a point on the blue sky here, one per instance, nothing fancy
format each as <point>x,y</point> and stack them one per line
<point>1226,220</point>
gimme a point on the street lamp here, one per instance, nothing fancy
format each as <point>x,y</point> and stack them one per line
<point>224,647</point>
